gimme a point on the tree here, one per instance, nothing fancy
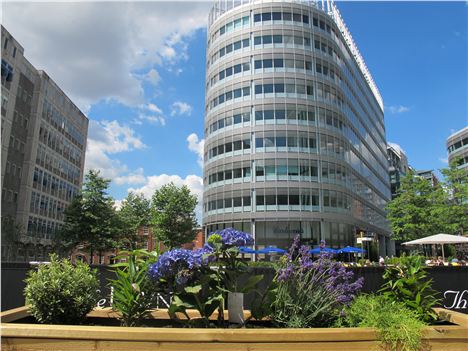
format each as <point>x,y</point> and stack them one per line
<point>455,198</point>
<point>421,209</point>
<point>411,212</point>
<point>11,232</point>
<point>134,213</point>
<point>90,218</point>
<point>173,215</point>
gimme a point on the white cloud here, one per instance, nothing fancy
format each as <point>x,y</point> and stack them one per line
<point>197,146</point>
<point>112,137</point>
<point>114,39</point>
<point>153,108</point>
<point>118,204</point>
<point>181,108</point>
<point>193,182</point>
<point>397,147</point>
<point>153,77</point>
<point>149,118</point>
<point>444,160</point>
<point>396,109</point>
<point>168,52</point>
<point>106,138</point>
<point>136,177</point>
<point>150,113</point>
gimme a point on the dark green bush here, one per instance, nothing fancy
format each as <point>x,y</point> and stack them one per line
<point>60,293</point>
<point>399,328</point>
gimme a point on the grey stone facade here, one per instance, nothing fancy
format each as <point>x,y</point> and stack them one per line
<point>43,150</point>
<point>294,127</point>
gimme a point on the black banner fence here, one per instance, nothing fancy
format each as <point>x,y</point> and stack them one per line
<point>450,282</point>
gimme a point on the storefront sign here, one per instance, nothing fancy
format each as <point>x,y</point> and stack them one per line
<point>456,299</point>
<point>287,230</point>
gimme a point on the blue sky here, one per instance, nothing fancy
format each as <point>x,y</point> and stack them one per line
<point>138,71</point>
<point>417,54</point>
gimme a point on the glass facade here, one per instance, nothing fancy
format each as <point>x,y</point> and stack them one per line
<point>294,127</point>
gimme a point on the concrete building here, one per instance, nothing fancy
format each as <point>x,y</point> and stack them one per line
<point>43,151</point>
<point>398,167</point>
<point>294,127</point>
<point>429,175</point>
<point>457,147</point>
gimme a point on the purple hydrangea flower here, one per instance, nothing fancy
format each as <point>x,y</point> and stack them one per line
<point>231,237</point>
<point>172,262</point>
<point>204,255</point>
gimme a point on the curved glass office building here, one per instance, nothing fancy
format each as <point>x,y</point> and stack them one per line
<point>294,127</point>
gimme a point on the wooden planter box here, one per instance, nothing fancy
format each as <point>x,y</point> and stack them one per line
<point>22,336</point>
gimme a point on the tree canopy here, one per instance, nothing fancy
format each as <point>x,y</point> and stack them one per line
<point>173,215</point>
<point>133,214</point>
<point>90,218</point>
<point>421,209</point>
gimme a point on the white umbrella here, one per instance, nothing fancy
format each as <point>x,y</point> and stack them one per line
<point>439,239</point>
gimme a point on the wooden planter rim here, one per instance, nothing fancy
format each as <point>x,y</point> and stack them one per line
<point>266,335</point>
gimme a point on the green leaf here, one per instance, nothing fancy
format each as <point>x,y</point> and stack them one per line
<point>251,283</point>
<point>193,289</point>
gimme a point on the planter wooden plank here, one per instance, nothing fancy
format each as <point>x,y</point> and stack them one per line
<point>32,344</point>
<point>14,314</point>
<point>27,344</point>
<point>107,312</point>
<point>445,332</point>
<point>453,345</point>
<point>35,337</point>
<point>190,335</point>
<point>318,346</point>
<point>453,316</point>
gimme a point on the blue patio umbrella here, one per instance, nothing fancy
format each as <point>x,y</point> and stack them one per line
<point>244,249</point>
<point>270,249</point>
<point>350,249</point>
<point>325,249</point>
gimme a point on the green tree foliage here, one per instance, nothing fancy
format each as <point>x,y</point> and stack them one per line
<point>421,209</point>
<point>410,213</point>
<point>134,213</point>
<point>173,215</point>
<point>90,218</point>
<point>455,199</point>
<point>10,235</point>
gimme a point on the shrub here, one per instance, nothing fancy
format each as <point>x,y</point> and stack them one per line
<point>60,293</point>
<point>398,328</point>
<point>133,293</point>
<point>311,293</point>
<point>407,282</point>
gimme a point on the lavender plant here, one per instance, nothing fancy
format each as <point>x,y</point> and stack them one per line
<point>311,293</point>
